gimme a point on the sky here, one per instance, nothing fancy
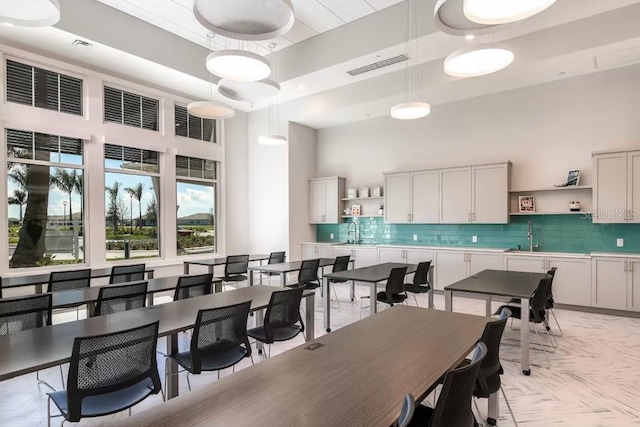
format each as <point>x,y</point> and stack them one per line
<point>192,198</point>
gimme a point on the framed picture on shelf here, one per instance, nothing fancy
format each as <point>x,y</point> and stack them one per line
<point>526,204</point>
<point>573,178</point>
<point>363,192</point>
<point>355,210</point>
<point>376,191</point>
<point>352,193</point>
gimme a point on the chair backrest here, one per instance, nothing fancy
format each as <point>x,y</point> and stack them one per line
<point>127,273</point>
<point>421,277</point>
<point>490,368</point>
<point>111,362</point>
<point>193,286</point>
<point>406,413</point>
<point>454,404</point>
<point>113,299</point>
<point>236,264</point>
<point>0,287</point>
<point>277,257</point>
<point>551,273</point>
<point>22,313</point>
<point>540,300</point>
<point>341,264</point>
<point>64,280</point>
<point>395,282</point>
<point>219,329</point>
<point>308,271</point>
<point>283,311</point>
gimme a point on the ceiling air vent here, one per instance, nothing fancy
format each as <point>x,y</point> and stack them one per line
<point>78,42</point>
<point>378,65</point>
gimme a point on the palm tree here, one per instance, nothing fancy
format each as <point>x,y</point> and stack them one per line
<point>112,208</point>
<point>136,193</point>
<point>19,198</point>
<point>20,175</point>
<point>79,188</point>
<point>66,182</point>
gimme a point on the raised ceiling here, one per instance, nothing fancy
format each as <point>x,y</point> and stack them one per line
<point>312,17</point>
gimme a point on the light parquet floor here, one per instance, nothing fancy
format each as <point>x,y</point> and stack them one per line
<point>594,379</point>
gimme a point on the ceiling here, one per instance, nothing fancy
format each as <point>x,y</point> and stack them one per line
<point>572,38</point>
<point>312,17</point>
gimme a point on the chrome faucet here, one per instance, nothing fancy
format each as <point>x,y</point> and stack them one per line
<point>530,236</point>
<point>355,231</point>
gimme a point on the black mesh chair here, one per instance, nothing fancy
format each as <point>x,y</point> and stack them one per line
<point>24,313</point>
<point>282,320</point>
<point>193,286</point>
<point>551,302</point>
<point>114,299</point>
<point>454,404</point>
<point>235,269</point>
<point>308,275</point>
<point>406,413</point>
<point>219,341</point>
<point>489,381</point>
<point>341,264</point>
<point>127,273</point>
<point>394,292</point>
<point>274,258</point>
<point>66,280</point>
<point>108,374</point>
<point>420,283</point>
<point>537,311</point>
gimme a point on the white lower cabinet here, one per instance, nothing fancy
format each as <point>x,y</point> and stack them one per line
<point>361,256</point>
<point>633,294</point>
<point>310,251</point>
<point>572,282</point>
<point>450,267</point>
<point>479,261</point>
<point>609,288</point>
<point>391,255</point>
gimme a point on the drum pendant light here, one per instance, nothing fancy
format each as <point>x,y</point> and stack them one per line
<point>478,60</point>
<point>29,13</point>
<point>411,108</point>
<point>494,12</point>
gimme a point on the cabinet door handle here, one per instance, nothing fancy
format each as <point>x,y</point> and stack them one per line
<point>631,266</point>
<point>625,265</point>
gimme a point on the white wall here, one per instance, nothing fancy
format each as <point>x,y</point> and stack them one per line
<point>302,167</point>
<point>236,200</point>
<point>544,130</point>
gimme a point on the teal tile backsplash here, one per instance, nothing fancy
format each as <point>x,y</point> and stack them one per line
<point>554,233</point>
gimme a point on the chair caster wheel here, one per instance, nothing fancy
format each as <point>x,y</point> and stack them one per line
<point>548,329</point>
<point>328,329</point>
<point>251,314</point>
<point>353,299</point>
<point>259,351</point>
<point>527,372</point>
<point>492,421</point>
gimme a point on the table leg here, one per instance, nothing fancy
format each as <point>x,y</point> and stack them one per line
<point>524,336</point>
<point>172,385</point>
<point>150,275</point>
<point>39,288</point>
<point>217,286</point>
<point>373,309</point>
<point>251,278</point>
<point>494,407</point>
<point>353,290</point>
<point>186,267</point>
<point>283,279</point>
<point>327,305</point>
<point>259,322</point>
<point>260,274</point>
<point>448,301</point>
<point>211,269</point>
<point>310,317</point>
<point>488,302</point>
<point>149,299</point>
<point>91,309</point>
<point>431,298</point>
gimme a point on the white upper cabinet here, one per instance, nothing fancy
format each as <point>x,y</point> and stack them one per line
<point>455,196</point>
<point>397,198</point>
<point>324,200</point>
<point>424,197</point>
<point>490,203</point>
<point>617,187</point>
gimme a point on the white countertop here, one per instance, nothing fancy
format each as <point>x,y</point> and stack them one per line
<point>615,254</point>
<point>549,254</point>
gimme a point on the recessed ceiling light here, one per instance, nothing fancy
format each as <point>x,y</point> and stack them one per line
<point>469,37</point>
<point>495,12</point>
<point>479,60</point>
<point>238,65</point>
<point>301,87</point>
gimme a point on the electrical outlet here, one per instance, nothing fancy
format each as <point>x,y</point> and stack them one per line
<point>331,236</point>
<point>474,239</point>
<point>415,237</point>
<point>620,243</point>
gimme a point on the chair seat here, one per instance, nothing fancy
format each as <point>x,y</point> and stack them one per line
<point>493,381</point>
<point>234,278</point>
<point>279,334</point>
<point>308,285</point>
<point>516,312</point>
<point>212,361</point>
<point>422,417</point>
<point>416,289</point>
<point>108,403</point>
<point>396,298</point>
<point>337,280</point>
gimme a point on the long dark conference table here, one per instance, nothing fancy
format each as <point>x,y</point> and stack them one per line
<point>357,375</point>
<point>511,284</point>
<point>38,280</point>
<point>284,268</point>
<point>211,263</point>
<point>32,350</point>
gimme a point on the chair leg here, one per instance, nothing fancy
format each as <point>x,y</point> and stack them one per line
<point>552,340</point>
<point>479,417</point>
<point>189,381</point>
<point>129,411</point>
<point>43,382</point>
<point>336,294</point>
<point>416,299</point>
<point>509,407</point>
<point>48,411</point>
<point>62,376</point>
<point>542,345</point>
<point>556,320</point>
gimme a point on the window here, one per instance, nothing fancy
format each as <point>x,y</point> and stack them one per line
<point>130,109</point>
<point>196,210</point>
<point>132,202</point>
<point>42,88</point>
<point>45,187</point>
<point>194,127</point>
